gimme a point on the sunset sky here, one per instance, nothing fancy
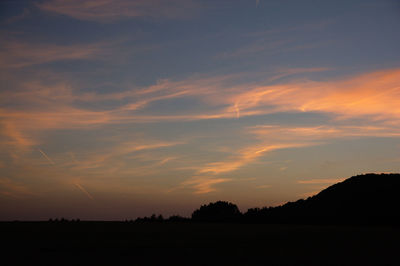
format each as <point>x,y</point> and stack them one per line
<point>114,109</point>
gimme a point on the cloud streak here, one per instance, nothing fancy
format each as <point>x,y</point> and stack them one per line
<point>116,156</point>
<point>46,157</point>
<point>316,134</point>
<point>84,191</point>
<point>374,94</point>
<point>203,185</point>
<point>107,11</point>
<point>15,54</point>
<point>244,157</point>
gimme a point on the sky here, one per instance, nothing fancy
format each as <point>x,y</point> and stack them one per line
<point>112,110</point>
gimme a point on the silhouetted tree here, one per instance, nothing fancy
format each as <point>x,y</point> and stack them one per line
<point>152,218</point>
<point>220,211</point>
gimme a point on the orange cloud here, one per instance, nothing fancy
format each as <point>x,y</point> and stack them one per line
<point>373,94</point>
<point>12,136</point>
<point>263,186</point>
<point>20,126</point>
<point>203,185</point>
<point>282,137</point>
<point>166,160</point>
<point>318,133</point>
<point>244,157</point>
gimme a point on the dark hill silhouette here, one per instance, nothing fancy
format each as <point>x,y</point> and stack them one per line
<point>362,199</point>
<point>369,198</point>
<point>366,199</point>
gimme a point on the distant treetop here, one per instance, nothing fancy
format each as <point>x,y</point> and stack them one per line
<point>220,211</point>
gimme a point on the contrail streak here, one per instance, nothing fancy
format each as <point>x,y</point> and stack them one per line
<point>84,191</point>
<point>47,157</point>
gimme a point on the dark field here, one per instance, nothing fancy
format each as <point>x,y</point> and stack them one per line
<point>124,243</point>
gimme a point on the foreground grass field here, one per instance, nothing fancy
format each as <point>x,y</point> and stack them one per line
<point>123,243</point>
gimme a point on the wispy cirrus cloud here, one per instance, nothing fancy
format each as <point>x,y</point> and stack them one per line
<point>114,156</point>
<point>274,138</point>
<point>362,96</point>
<point>43,108</point>
<point>11,135</point>
<point>114,10</point>
<point>208,175</point>
<point>203,185</point>
<point>16,54</point>
<point>320,133</point>
<point>372,96</point>
<point>244,157</point>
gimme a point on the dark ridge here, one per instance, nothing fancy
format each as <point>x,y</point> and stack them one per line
<point>368,198</point>
<point>362,199</point>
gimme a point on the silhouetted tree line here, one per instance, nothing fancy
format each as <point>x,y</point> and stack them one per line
<point>362,199</point>
<point>159,218</point>
<point>63,220</point>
